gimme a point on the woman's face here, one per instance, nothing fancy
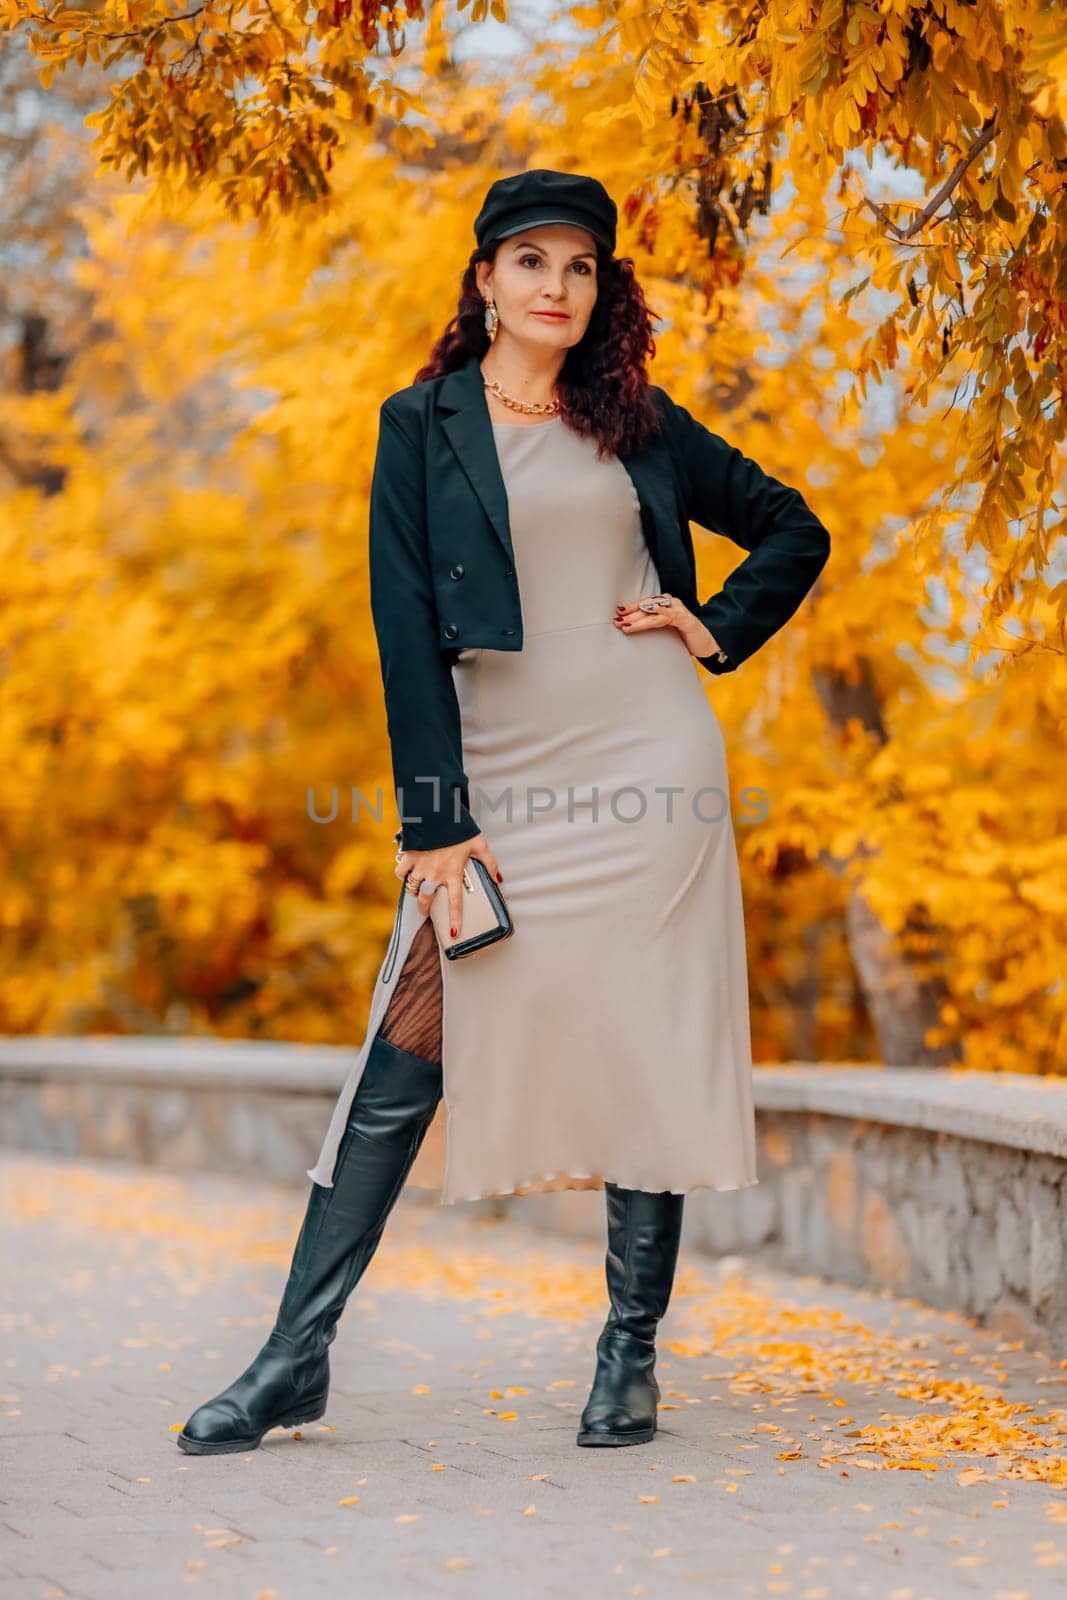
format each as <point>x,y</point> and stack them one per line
<point>550,268</point>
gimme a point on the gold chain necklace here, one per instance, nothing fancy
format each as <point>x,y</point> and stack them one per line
<point>530,407</point>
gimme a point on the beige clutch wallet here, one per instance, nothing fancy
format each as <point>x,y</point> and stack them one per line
<point>485,914</point>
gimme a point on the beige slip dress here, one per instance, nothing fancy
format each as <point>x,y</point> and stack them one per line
<point>608,1038</point>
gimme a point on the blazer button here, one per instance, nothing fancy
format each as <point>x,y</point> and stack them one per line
<point>507,632</point>
<point>457,570</point>
<point>451,631</point>
<point>509,573</point>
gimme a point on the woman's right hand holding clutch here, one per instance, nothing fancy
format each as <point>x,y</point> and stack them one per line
<point>431,868</point>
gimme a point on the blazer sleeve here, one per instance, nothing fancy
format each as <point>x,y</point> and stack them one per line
<point>422,710</point>
<point>730,494</point>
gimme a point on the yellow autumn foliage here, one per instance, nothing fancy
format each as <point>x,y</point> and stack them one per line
<point>188,652</point>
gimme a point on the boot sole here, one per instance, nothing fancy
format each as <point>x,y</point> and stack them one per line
<point>641,1436</point>
<point>223,1447</point>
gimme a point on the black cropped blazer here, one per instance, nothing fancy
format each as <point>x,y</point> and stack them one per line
<point>442,566</point>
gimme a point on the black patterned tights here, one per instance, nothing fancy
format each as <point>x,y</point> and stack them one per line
<point>413,1019</point>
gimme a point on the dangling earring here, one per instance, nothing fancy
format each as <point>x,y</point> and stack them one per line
<point>492,321</point>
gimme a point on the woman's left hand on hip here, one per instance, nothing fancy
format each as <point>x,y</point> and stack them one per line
<point>633,617</point>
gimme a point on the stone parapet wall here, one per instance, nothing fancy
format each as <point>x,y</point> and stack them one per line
<point>947,1186</point>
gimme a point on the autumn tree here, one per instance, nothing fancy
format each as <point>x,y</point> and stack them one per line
<point>849,221</point>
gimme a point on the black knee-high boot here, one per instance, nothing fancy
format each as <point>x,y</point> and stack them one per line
<point>644,1230</point>
<point>288,1381</point>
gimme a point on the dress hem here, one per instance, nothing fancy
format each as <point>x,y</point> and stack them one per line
<point>549,1177</point>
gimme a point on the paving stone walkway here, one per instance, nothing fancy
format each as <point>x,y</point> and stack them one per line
<point>815,1441</point>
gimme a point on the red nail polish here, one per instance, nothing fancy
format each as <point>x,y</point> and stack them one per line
<point>500,877</point>
<point>454,932</point>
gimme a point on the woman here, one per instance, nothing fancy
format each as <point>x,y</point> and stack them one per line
<point>533,597</point>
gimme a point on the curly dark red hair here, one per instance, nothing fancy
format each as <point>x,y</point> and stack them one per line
<point>603,386</point>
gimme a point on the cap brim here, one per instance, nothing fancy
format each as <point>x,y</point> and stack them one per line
<point>539,221</point>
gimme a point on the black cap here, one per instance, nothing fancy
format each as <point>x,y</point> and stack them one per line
<point>528,199</point>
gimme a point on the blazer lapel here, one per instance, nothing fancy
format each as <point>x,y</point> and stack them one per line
<point>468,429</point>
<point>663,517</point>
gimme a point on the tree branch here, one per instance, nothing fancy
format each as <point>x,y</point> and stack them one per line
<point>950,183</point>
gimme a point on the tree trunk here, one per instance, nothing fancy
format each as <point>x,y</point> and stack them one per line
<point>903,1004</point>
